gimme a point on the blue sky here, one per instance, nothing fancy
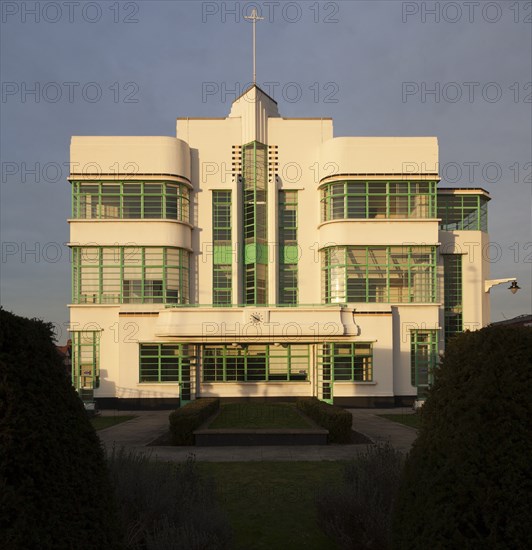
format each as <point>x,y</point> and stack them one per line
<point>131,68</point>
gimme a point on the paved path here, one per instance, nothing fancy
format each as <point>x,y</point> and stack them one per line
<point>137,433</point>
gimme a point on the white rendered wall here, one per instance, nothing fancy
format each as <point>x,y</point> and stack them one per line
<point>406,156</point>
<point>475,251</point>
<point>130,233</point>
<point>129,155</point>
<point>408,318</point>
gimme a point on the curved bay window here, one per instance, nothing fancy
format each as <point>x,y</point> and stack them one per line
<point>389,274</point>
<point>378,199</point>
<point>129,275</point>
<point>130,200</point>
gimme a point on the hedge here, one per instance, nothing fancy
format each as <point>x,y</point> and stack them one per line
<point>55,490</point>
<point>335,419</point>
<point>467,480</point>
<point>185,420</point>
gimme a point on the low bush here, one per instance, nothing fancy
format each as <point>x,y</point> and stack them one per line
<point>166,506</point>
<point>357,514</point>
<point>335,419</point>
<point>185,420</point>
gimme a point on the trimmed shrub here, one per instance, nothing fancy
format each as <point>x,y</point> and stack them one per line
<point>166,506</point>
<point>467,480</point>
<point>335,419</point>
<point>185,420</point>
<point>357,513</point>
<point>54,484</point>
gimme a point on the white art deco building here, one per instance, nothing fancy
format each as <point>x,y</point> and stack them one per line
<point>256,256</point>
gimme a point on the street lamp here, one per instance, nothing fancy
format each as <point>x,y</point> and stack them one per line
<point>514,287</point>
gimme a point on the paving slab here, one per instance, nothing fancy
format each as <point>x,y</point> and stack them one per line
<point>136,434</point>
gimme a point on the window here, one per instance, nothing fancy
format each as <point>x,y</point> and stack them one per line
<point>423,359</point>
<point>376,199</point>
<point>392,274</point>
<point>222,248</point>
<point>452,284</point>
<point>222,284</point>
<point>348,362</point>
<point>255,193</point>
<point>288,248</point>
<point>86,362</point>
<point>255,362</point>
<point>165,362</point>
<point>130,200</point>
<point>129,275</point>
<point>463,212</point>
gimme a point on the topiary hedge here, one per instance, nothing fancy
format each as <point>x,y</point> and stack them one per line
<point>54,485</point>
<point>185,420</point>
<point>467,480</point>
<point>335,419</point>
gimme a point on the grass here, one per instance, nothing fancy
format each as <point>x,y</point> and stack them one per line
<point>272,504</point>
<point>412,420</point>
<point>259,416</point>
<point>102,422</point>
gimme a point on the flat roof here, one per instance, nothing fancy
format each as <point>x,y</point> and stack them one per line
<point>465,191</point>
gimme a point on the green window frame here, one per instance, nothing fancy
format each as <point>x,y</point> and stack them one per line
<point>255,222</point>
<point>255,363</point>
<point>127,275</point>
<point>107,200</point>
<point>346,361</point>
<point>86,362</point>
<point>288,248</point>
<point>423,359</point>
<point>460,212</point>
<point>385,274</point>
<point>452,290</point>
<point>164,362</point>
<point>355,199</point>
<point>222,277</point>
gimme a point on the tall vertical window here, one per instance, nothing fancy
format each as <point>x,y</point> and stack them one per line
<point>452,283</point>
<point>288,248</point>
<point>388,274</point>
<point>255,200</point>
<point>222,248</point>
<point>86,362</point>
<point>129,275</point>
<point>423,359</point>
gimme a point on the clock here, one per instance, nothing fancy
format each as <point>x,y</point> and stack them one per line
<point>255,318</point>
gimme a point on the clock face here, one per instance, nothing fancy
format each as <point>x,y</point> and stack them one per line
<point>255,317</point>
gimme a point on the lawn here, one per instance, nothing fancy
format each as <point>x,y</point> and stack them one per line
<point>102,422</point>
<point>259,416</point>
<point>271,504</point>
<point>412,420</point>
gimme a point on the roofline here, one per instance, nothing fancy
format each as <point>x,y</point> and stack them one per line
<point>472,189</point>
<point>307,118</point>
<point>258,88</point>
<point>201,118</point>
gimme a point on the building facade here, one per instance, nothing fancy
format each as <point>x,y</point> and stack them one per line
<point>256,256</point>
